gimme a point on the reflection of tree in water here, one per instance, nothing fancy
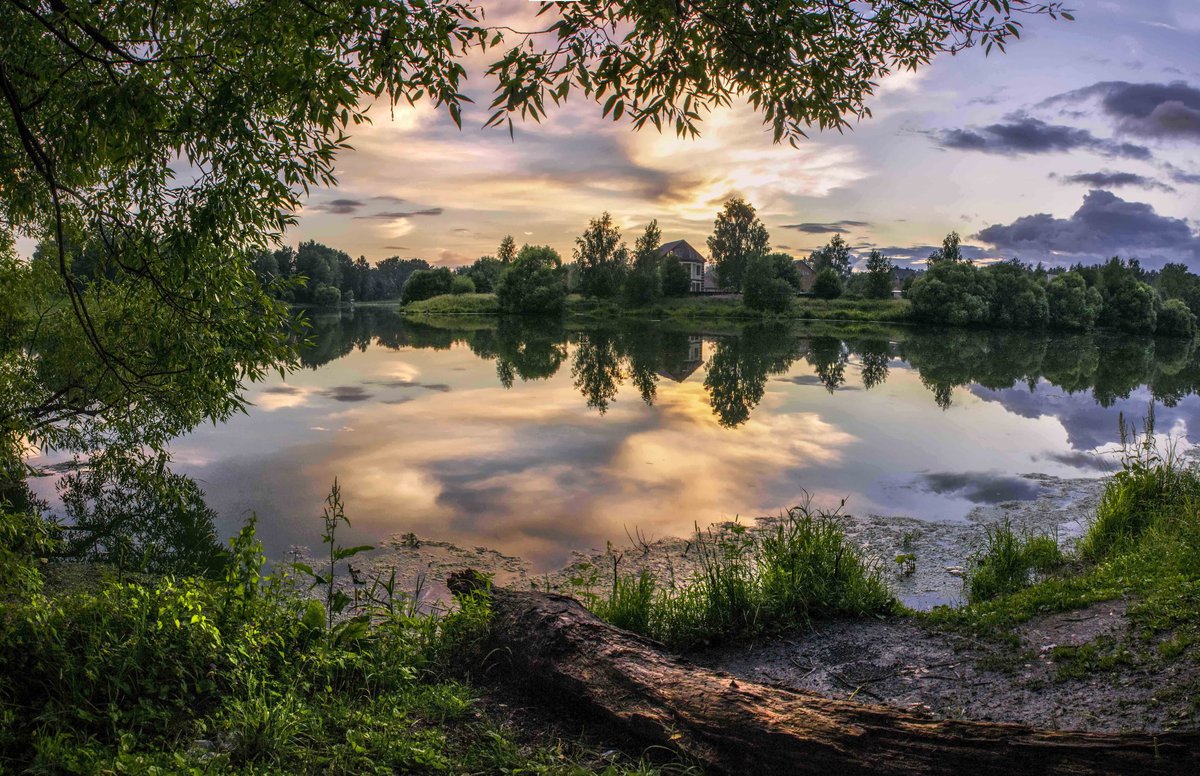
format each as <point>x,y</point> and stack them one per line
<point>828,357</point>
<point>1109,364</point>
<point>874,357</point>
<point>597,368</point>
<point>139,515</point>
<point>738,369</point>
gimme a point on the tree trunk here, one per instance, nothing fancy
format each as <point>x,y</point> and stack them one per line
<point>557,647</point>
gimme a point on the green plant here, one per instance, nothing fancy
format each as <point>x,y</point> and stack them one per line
<point>1007,561</point>
<point>336,600</point>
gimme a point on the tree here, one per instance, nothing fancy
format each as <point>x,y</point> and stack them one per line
<point>533,284</point>
<point>1176,281</point>
<point>828,284</point>
<point>1175,320</point>
<point>326,296</point>
<point>835,256</point>
<point>485,274</point>
<point>1129,305</point>
<point>1072,305</point>
<point>737,236</point>
<point>602,258</point>
<point>507,250</point>
<point>1017,300</point>
<point>643,285</point>
<point>461,284</point>
<point>426,284</point>
<point>98,100</point>
<point>879,276</point>
<point>951,292</point>
<point>676,281</point>
<point>949,253</point>
<point>765,289</point>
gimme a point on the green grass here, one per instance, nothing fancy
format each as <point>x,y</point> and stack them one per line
<point>751,583</point>
<point>1007,562</point>
<point>455,304</point>
<point>682,308</point>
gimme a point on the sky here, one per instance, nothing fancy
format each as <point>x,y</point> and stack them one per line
<point>1081,142</point>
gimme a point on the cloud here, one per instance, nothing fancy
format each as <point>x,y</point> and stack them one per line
<point>346,393</point>
<point>1026,135</point>
<point>827,228</point>
<point>395,215</point>
<point>1107,179</point>
<point>917,254</point>
<point>338,206</point>
<point>1103,226</point>
<point>1182,176</point>
<point>1148,110</point>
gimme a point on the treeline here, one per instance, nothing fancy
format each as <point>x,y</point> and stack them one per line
<point>604,359</point>
<point>330,276</point>
<point>1118,294</point>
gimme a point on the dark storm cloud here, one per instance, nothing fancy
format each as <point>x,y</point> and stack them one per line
<point>339,206</point>
<point>1025,135</point>
<point>1106,179</point>
<point>827,228</point>
<point>392,215</point>
<point>1149,110</point>
<point>1103,226</point>
<point>914,253</point>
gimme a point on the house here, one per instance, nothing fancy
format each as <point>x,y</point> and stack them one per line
<point>690,258</point>
<point>808,275</point>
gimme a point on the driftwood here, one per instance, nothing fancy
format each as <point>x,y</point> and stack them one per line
<point>732,726</point>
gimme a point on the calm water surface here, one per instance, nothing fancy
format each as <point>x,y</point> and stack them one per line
<point>535,439</point>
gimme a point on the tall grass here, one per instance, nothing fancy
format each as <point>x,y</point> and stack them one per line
<point>751,583</point>
<point>1008,561</point>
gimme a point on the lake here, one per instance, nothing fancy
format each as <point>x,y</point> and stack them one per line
<point>536,439</point>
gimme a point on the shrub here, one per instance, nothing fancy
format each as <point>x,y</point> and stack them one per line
<point>1072,303</point>
<point>462,285</point>
<point>326,296</point>
<point>1007,561</point>
<point>827,285</point>
<point>642,286</point>
<point>533,284</point>
<point>426,284</point>
<point>1129,305</point>
<point>764,289</point>
<point>1175,320</point>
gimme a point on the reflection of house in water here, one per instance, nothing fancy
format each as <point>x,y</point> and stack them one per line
<point>682,369</point>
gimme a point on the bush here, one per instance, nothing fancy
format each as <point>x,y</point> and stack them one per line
<point>827,285</point>
<point>1007,562</point>
<point>1129,305</point>
<point>1017,299</point>
<point>951,292</point>
<point>1175,320</point>
<point>462,285</point>
<point>533,284</point>
<point>426,284</point>
<point>1071,303</point>
<point>642,287</point>
<point>326,296</point>
<point>764,289</point>
<point>675,278</point>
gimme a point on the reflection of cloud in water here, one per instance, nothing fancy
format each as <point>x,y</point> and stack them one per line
<point>1088,425</point>
<point>981,487</point>
<point>409,384</point>
<point>346,393</point>
<point>279,397</point>
<point>1083,460</point>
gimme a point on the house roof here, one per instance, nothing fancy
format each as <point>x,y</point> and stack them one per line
<point>805,266</point>
<point>682,250</point>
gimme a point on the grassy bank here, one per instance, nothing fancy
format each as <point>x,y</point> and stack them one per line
<point>243,674</point>
<point>684,308</point>
<point>1143,547</point>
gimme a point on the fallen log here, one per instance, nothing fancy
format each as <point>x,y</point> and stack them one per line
<point>555,646</point>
